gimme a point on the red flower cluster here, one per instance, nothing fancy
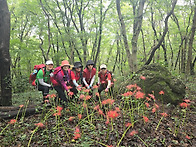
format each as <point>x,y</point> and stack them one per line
<point>142,77</point>
<point>133,133</point>
<point>12,121</point>
<point>59,109</point>
<point>139,95</point>
<point>164,114</point>
<point>112,114</point>
<point>77,133</point>
<point>41,125</point>
<point>71,118</point>
<point>184,105</point>
<point>161,92</point>
<point>145,118</point>
<point>108,101</point>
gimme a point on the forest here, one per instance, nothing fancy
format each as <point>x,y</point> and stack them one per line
<point>134,38</point>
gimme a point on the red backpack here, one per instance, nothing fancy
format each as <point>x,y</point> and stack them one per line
<point>33,75</point>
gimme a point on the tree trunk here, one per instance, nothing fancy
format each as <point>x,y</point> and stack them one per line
<point>190,67</point>
<point>164,33</point>
<point>138,17</point>
<point>123,32</point>
<point>6,91</point>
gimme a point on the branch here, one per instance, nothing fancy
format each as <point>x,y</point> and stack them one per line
<point>164,33</point>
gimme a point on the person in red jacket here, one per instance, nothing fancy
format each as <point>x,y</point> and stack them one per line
<point>89,75</point>
<point>104,79</point>
<point>76,77</point>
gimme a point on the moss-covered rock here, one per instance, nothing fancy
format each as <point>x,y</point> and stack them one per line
<point>158,78</point>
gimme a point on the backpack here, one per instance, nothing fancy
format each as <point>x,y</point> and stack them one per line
<point>56,70</point>
<point>33,75</point>
<point>112,76</point>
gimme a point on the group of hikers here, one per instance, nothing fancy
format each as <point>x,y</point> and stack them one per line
<point>63,76</point>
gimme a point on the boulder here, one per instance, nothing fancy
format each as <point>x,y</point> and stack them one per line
<point>158,78</point>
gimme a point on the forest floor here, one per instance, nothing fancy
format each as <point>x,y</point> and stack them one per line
<point>119,121</point>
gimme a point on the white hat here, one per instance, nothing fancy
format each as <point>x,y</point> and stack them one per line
<point>49,62</point>
<point>103,66</point>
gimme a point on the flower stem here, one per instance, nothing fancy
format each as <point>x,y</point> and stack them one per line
<point>159,123</point>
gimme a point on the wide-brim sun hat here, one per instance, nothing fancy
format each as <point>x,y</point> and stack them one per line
<point>77,65</point>
<point>49,62</point>
<point>65,63</point>
<point>103,66</point>
<point>89,62</point>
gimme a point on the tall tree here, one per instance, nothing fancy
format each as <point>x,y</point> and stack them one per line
<point>137,24</point>
<point>124,34</point>
<point>6,91</point>
<point>190,67</point>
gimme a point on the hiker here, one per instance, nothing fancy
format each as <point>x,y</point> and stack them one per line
<point>76,77</point>
<point>43,80</point>
<point>61,80</point>
<point>104,80</point>
<point>89,75</point>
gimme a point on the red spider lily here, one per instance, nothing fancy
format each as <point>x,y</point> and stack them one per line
<point>87,97</point>
<point>112,114</point>
<point>95,86</point>
<point>187,100</point>
<point>70,93</point>
<point>125,94</point>
<point>108,101</point>
<point>21,106</point>
<point>131,86</point>
<point>77,130</point>
<point>84,105</point>
<point>154,110</point>
<point>139,95</point>
<point>80,116</point>
<point>52,95</point>
<point>104,102</point>
<point>41,125</point>
<point>164,114</point>
<point>147,105</point>
<point>148,99</point>
<point>128,124</point>
<point>12,121</point>
<point>133,133</point>
<point>187,137</point>
<point>57,114</point>
<point>142,77</point>
<point>82,96</point>
<point>109,145</point>
<point>117,109</point>
<point>161,92</point>
<point>138,88</point>
<point>97,94</point>
<point>96,107</point>
<point>77,135</point>
<point>184,105</point>
<point>86,90</point>
<point>145,118</point>
<point>59,108</point>
<point>157,106</point>
<point>152,96</point>
<point>107,121</point>
<point>101,112</point>
<point>69,87</point>
<point>71,118</point>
